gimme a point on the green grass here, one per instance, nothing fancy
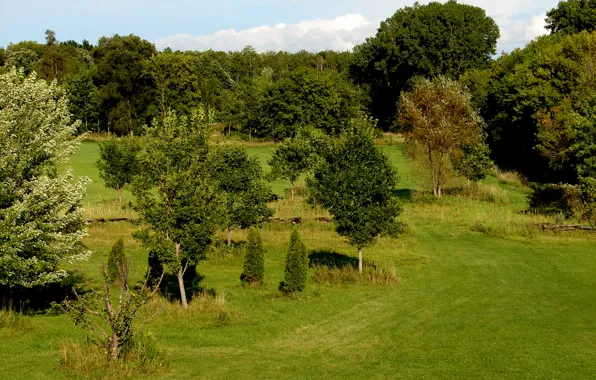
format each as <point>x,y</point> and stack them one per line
<point>499,302</point>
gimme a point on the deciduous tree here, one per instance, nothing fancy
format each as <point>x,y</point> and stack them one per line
<point>179,202</point>
<point>41,215</point>
<point>354,183</point>
<point>426,40</point>
<point>240,178</point>
<point>438,121</point>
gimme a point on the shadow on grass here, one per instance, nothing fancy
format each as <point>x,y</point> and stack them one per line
<point>403,194</point>
<point>192,285</point>
<point>39,299</point>
<point>331,259</point>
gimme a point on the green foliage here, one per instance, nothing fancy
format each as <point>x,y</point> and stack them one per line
<point>474,162</point>
<point>296,266</point>
<point>354,183</point>
<point>306,98</point>
<point>116,260</point>
<point>535,97</point>
<point>21,58</point>
<point>125,93</point>
<point>254,258</point>
<point>572,16</point>
<point>439,121</point>
<point>118,163</point>
<point>41,216</point>
<point>240,178</point>
<point>298,155</point>
<point>83,97</point>
<point>180,203</point>
<point>426,40</point>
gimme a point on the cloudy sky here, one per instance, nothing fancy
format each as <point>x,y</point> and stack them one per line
<point>231,24</point>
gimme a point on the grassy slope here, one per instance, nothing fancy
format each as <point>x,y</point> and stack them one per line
<point>507,303</point>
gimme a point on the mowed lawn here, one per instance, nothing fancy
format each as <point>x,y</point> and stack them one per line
<point>481,296</point>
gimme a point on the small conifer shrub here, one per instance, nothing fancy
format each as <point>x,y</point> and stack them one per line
<point>115,260</point>
<point>254,258</point>
<point>296,266</point>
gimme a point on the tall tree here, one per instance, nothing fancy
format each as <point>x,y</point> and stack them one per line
<point>125,94</point>
<point>41,216</point>
<point>354,183</point>
<point>179,202</point>
<point>422,40</point>
<point>438,120</point>
<point>240,178</point>
<point>572,16</point>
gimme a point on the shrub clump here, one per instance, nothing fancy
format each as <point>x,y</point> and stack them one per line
<point>347,275</point>
<point>254,259</point>
<point>116,260</point>
<point>296,266</point>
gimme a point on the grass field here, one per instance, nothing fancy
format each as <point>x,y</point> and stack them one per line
<point>481,296</point>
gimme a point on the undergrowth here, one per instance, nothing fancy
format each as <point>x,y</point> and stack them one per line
<point>89,360</point>
<point>348,274</point>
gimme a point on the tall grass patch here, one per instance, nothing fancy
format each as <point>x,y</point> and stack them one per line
<point>348,275</point>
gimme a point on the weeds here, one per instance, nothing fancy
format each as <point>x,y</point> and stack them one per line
<point>90,360</point>
<point>346,275</point>
<point>511,178</point>
<point>13,324</point>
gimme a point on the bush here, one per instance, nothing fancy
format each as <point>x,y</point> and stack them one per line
<point>555,199</point>
<point>254,258</point>
<point>116,259</point>
<point>296,266</point>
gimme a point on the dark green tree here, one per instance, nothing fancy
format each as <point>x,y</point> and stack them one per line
<point>240,178</point>
<point>83,97</point>
<point>572,16</point>
<point>179,202</point>
<point>354,183</point>
<point>422,40</point>
<point>117,162</point>
<point>296,266</point>
<point>116,260</point>
<point>254,258</point>
<point>303,98</point>
<point>125,93</point>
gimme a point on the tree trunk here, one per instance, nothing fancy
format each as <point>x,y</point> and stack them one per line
<point>292,191</point>
<point>119,195</point>
<point>183,299</point>
<point>468,182</point>
<point>180,276</point>
<point>360,261</point>
<point>129,117</point>
<point>229,237</point>
<point>113,347</point>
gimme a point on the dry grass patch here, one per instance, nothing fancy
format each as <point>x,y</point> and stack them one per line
<point>90,361</point>
<point>348,275</point>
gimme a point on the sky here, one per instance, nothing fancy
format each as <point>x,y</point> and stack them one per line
<point>289,25</point>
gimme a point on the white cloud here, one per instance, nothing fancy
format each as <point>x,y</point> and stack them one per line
<point>520,21</point>
<point>517,33</point>
<point>341,33</point>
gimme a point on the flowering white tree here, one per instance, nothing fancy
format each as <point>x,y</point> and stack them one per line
<point>41,216</point>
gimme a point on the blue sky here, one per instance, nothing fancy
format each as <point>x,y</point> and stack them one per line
<point>231,24</point>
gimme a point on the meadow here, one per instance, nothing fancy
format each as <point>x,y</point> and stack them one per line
<point>482,294</point>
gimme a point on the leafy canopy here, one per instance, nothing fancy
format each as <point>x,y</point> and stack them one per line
<point>354,183</point>
<point>422,40</point>
<point>41,216</point>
